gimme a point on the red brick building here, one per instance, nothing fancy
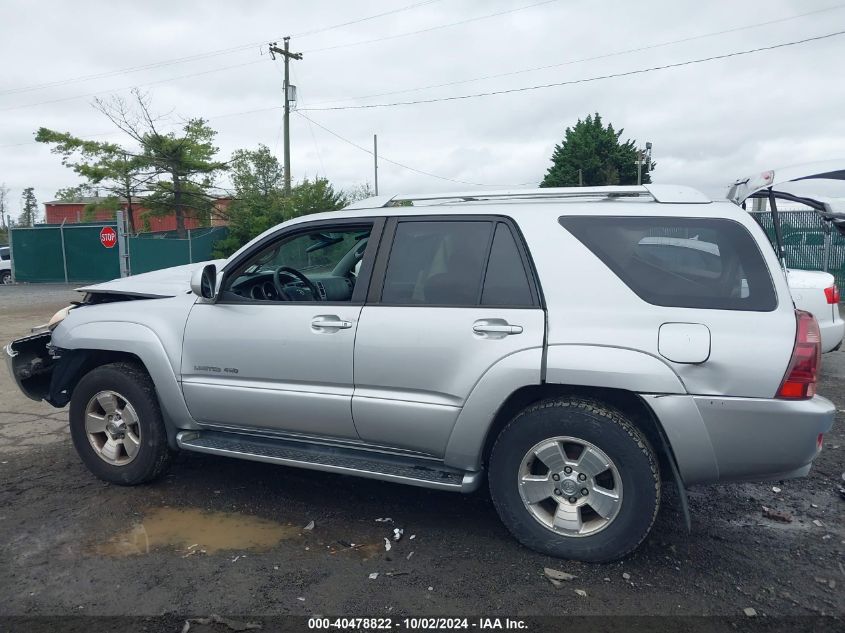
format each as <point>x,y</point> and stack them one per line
<point>59,211</point>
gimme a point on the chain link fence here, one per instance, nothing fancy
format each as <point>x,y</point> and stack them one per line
<point>74,253</point>
<point>809,243</point>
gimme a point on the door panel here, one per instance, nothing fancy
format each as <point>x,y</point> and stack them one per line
<point>416,366</point>
<point>451,299</point>
<point>272,366</point>
<point>275,350</point>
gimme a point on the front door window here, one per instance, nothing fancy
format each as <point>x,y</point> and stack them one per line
<point>317,265</point>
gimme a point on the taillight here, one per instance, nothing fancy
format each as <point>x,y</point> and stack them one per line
<point>832,294</point>
<point>800,380</point>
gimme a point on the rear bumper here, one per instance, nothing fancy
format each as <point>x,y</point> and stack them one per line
<point>739,439</point>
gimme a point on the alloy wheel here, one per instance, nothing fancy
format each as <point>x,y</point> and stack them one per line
<point>570,486</point>
<point>113,428</point>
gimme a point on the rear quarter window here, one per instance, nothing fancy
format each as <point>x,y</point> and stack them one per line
<point>681,262</point>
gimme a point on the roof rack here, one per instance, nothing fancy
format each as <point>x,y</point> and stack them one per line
<point>659,193</point>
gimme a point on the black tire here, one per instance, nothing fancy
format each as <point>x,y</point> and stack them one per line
<point>5,277</point>
<point>609,431</point>
<point>134,384</point>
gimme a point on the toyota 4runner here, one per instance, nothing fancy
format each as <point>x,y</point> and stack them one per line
<point>578,348</point>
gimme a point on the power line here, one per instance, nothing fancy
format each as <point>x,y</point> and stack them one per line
<point>198,56</point>
<point>310,128</point>
<point>629,73</point>
<point>224,68</point>
<point>141,85</point>
<point>403,166</point>
<point>496,92</point>
<point>359,20</point>
<point>585,59</point>
<point>429,29</point>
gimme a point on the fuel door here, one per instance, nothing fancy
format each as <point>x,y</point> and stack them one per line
<point>687,343</point>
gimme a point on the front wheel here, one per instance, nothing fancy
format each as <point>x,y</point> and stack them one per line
<point>5,277</point>
<point>116,425</point>
<point>575,479</point>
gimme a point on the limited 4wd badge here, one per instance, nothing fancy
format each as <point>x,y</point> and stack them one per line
<point>216,370</point>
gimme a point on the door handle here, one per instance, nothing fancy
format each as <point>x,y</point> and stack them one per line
<point>495,328</point>
<point>330,322</point>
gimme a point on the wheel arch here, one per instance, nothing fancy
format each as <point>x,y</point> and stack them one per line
<point>626,402</point>
<point>614,374</point>
<point>76,363</point>
<point>90,345</point>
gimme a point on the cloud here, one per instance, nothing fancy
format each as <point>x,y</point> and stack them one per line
<point>709,123</point>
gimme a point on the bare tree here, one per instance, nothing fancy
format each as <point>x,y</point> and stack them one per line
<point>4,197</point>
<point>184,162</point>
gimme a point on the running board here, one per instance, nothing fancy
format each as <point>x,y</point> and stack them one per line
<point>346,461</point>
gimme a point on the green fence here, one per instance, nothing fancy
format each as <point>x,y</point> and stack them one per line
<point>152,251</point>
<point>39,254</point>
<point>809,243</point>
<point>74,253</point>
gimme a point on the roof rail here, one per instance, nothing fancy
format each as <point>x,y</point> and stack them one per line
<point>658,193</point>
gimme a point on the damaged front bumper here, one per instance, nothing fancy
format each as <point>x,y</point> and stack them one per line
<point>32,361</point>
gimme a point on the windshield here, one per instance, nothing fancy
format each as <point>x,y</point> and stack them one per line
<point>315,252</point>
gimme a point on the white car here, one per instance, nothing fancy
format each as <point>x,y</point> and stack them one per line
<point>5,265</point>
<point>816,292</point>
<point>812,290</point>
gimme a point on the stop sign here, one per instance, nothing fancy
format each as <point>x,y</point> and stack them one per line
<point>108,237</point>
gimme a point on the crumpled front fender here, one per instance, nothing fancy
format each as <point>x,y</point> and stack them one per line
<point>31,364</point>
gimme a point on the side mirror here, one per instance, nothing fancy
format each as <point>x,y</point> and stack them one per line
<point>204,281</point>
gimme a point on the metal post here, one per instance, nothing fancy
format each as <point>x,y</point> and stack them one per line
<point>190,249</point>
<point>580,178</point>
<point>827,239</point>
<point>639,167</point>
<point>64,255</point>
<point>122,250</point>
<point>11,248</point>
<point>375,159</point>
<point>773,209</point>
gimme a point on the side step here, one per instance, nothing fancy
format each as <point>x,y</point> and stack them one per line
<point>346,461</point>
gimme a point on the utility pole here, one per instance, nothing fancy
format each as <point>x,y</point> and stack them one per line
<point>285,52</point>
<point>639,166</point>
<point>640,155</point>
<point>375,159</point>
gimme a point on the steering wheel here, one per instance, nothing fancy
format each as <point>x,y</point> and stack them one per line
<point>293,272</point>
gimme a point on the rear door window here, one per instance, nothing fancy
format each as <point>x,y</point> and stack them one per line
<point>437,263</point>
<point>506,282</point>
<point>681,262</point>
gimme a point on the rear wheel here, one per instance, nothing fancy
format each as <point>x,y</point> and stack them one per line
<point>116,425</point>
<point>575,479</point>
<point>5,277</point>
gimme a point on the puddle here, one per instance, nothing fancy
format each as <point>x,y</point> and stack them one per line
<point>190,531</point>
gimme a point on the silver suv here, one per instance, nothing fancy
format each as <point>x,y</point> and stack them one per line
<point>581,348</point>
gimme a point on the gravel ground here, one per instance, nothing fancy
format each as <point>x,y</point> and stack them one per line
<point>70,544</point>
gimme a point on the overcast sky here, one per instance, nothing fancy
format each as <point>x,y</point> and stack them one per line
<point>709,122</point>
